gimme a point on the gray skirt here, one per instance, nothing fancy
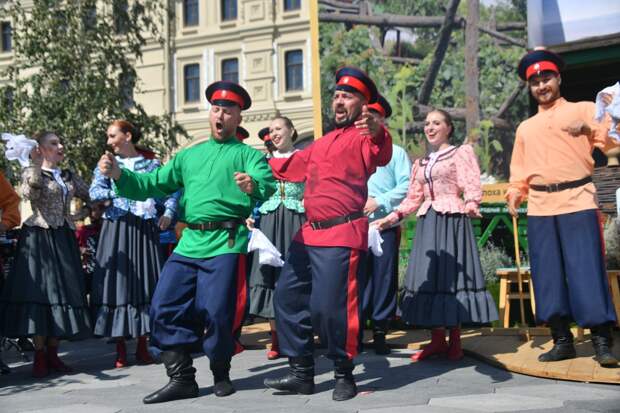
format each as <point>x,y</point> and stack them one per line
<point>280,226</point>
<point>444,284</point>
<point>128,260</point>
<point>44,292</point>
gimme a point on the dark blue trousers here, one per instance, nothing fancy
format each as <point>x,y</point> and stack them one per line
<point>197,294</point>
<point>382,279</point>
<point>568,268</point>
<point>320,287</point>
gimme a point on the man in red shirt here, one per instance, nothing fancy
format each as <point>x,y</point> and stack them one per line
<point>320,283</point>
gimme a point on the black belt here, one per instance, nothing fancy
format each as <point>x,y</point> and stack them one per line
<point>562,185</point>
<point>328,223</point>
<point>229,226</point>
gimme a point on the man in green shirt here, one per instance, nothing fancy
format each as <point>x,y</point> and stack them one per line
<point>203,283</point>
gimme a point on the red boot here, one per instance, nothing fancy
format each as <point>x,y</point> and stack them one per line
<point>274,352</point>
<point>54,363</point>
<point>455,352</point>
<point>142,353</point>
<point>437,345</point>
<point>39,367</point>
<point>121,354</point>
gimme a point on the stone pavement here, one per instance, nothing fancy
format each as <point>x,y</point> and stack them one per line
<point>387,385</point>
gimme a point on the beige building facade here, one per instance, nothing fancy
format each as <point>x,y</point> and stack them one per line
<point>264,45</point>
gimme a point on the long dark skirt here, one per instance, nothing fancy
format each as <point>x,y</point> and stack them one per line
<point>44,293</point>
<point>444,284</point>
<point>280,226</point>
<point>129,260</point>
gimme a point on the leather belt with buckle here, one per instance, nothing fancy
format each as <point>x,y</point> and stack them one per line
<point>562,185</point>
<point>328,223</point>
<point>229,226</point>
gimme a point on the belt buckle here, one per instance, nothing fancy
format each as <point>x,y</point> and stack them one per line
<point>553,188</point>
<point>315,225</point>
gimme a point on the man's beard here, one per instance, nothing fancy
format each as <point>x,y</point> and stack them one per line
<point>349,120</point>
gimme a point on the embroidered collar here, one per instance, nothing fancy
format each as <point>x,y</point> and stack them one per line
<point>438,155</point>
<point>277,154</point>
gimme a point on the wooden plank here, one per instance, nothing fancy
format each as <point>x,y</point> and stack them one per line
<point>472,74</point>
<point>443,40</point>
<point>499,331</point>
<point>394,20</point>
<point>503,37</point>
<point>582,369</point>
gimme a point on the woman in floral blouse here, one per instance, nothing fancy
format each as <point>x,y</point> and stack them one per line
<point>280,218</point>
<point>44,294</point>
<point>444,285</point>
<point>129,257</point>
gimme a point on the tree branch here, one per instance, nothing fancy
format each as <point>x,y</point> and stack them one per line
<point>394,20</point>
<point>440,51</point>
<point>503,37</point>
<point>510,100</point>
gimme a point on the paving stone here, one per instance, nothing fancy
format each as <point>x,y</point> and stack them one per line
<point>565,392</point>
<point>77,408</point>
<point>495,402</point>
<point>387,384</point>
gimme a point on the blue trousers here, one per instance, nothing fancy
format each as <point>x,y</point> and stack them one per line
<point>320,287</point>
<point>568,268</point>
<point>197,294</point>
<point>382,279</point>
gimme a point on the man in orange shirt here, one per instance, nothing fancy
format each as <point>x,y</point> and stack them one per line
<point>552,165</point>
<point>9,218</point>
<point>9,206</point>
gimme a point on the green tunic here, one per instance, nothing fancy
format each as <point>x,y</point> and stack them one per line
<point>206,171</point>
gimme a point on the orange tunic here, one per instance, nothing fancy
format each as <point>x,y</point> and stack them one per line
<point>545,154</point>
<point>9,204</point>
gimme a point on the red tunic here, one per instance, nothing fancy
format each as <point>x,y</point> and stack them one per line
<point>336,169</point>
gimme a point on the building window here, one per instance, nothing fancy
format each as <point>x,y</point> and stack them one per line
<point>191,80</point>
<point>120,10</point>
<point>7,37</point>
<point>8,99</point>
<point>229,10</point>
<point>294,63</point>
<point>292,5</point>
<point>230,70</point>
<point>190,13</point>
<point>89,17</point>
<point>126,83</point>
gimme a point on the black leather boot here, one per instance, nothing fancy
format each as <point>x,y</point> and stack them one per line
<point>563,347</point>
<point>300,378</point>
<point>221,378</point>
<point>379,332</point>
<point>4,369</point>
<point>182,384</point>
<point>602,342</point>
<point>345,387</point>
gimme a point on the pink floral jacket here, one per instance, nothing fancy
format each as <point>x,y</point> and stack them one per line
<point>454,182</point>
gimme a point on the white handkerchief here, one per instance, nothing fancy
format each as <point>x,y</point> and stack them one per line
<point>18,147</point>
<point>146,207</point>
<point>613,109</point>
<point>268,254</point>
<point>375,241</point>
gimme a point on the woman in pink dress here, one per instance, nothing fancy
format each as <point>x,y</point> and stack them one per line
<point>444,286</point>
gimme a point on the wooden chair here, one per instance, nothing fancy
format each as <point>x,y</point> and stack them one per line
<point>507,276</point>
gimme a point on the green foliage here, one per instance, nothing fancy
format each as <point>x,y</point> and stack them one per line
<point>493,257</point>
<point>74,72</point>
<point>401,83</point>
<point>341,47</point>
<point>487,146</point>
<point>611,234</point>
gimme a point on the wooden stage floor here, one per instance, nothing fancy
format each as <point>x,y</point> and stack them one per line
<point>501,348</point>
